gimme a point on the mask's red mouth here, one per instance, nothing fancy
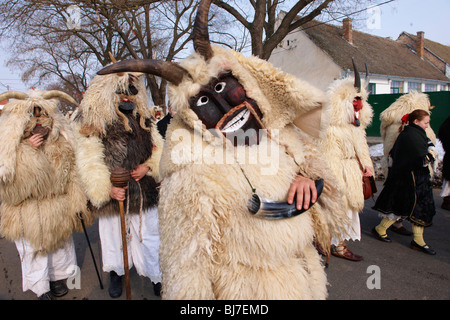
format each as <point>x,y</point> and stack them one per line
<point>357,106</point>
<point>237,118</point>
<point>240,119</point>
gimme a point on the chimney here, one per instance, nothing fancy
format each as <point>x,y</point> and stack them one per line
<point>347,30</point>
<point>419,44</point>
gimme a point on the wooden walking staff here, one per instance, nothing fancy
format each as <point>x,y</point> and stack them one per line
<point>119,179</point>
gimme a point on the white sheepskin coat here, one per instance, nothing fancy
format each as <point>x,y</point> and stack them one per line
<point>343,141</point>
<point>212,247</point>
<point>98,109</point>
<point>40,192</point>
<point>391,121</point>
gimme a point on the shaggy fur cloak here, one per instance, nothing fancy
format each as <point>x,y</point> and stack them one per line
<point>391,121</point>
<point>40,192</point>
<point>212,247</point>
<point>343,141</point>
<point>111,139</point>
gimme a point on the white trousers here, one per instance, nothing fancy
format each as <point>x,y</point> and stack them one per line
<point>142,244</point>
<point>353,229</point>
<point>38,270</point>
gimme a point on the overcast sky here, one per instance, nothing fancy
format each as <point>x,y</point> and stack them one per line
<point>387,20</point>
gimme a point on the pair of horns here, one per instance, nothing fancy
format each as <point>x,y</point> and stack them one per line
<point>170,71</point>
<point>45,95</point>
<point>357,83</point>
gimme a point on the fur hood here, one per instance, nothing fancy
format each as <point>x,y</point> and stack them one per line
<point>391,121</point>
<point>403,105</point>
<point>17,122</point>
<point>102,92</point>
<point>340,98</point>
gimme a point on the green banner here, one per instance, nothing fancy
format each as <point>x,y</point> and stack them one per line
<point>379,102</point>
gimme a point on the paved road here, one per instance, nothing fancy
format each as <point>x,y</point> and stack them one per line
<point>404,274</point>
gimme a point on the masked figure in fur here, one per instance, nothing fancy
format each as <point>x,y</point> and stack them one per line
<point>232,139</point>
<point>41,197</point>
<point>116,130</point>
<point>391,121</point>
<point>345,147</point>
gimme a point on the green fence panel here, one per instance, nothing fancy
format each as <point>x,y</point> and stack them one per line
<point>379,102</point>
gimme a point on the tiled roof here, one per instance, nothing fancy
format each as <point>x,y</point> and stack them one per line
<point>383,55</point>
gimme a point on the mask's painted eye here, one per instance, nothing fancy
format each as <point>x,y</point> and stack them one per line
<point>202,101</point>
<point>220,87</point>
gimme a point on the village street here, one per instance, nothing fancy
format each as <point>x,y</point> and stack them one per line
<point>389,271</point>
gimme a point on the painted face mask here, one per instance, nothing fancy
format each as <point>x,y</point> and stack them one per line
<point>223,105</point>
<point>126,96</point>
<point>357,106</point>
<point>357,101</point>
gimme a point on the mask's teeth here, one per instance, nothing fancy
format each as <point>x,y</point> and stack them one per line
<point>237,122</point>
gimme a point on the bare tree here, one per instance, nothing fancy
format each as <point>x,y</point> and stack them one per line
<point>259,18</point>
<point>51,43</point>
<point>68,41</point>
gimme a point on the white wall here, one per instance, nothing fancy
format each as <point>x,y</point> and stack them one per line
<point>299,56</point>
<point>382,84</point>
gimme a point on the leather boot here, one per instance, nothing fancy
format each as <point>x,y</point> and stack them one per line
<point>157,289</point>
<point>58,288</point>
<point>46,296</point>
<point>115,285</point>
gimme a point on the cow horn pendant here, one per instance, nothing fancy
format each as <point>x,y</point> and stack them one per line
<point>268,209</point>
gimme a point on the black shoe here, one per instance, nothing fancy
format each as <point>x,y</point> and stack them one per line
<point>115,285</point>
<point>157,289</point>
<point>425,248</point>
<point>379,237</point>
<point>46,296</point>
<point>58,288</point>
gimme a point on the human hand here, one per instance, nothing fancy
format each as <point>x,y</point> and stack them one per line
<point>36,140</point>
<point>304,189</point>
<point>117,193</point>
<point>139,172</point>
<point>367,172</point>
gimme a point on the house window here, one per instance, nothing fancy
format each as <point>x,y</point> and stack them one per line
<point>430,87</point>
<point>396,87</point>
<point>414,86</point>
<point>444,87</point>
<point>372,88</point>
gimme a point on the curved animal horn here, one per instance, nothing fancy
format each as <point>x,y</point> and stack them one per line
<point>170,71</point>
<point>200,33</point>
<point>58,94</point>
<point>113,60</point>
<point>267,209</point>
<point>13,95</point>
<point>357,77</point>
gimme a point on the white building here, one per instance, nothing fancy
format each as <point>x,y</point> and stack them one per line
<point>321,53</point>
